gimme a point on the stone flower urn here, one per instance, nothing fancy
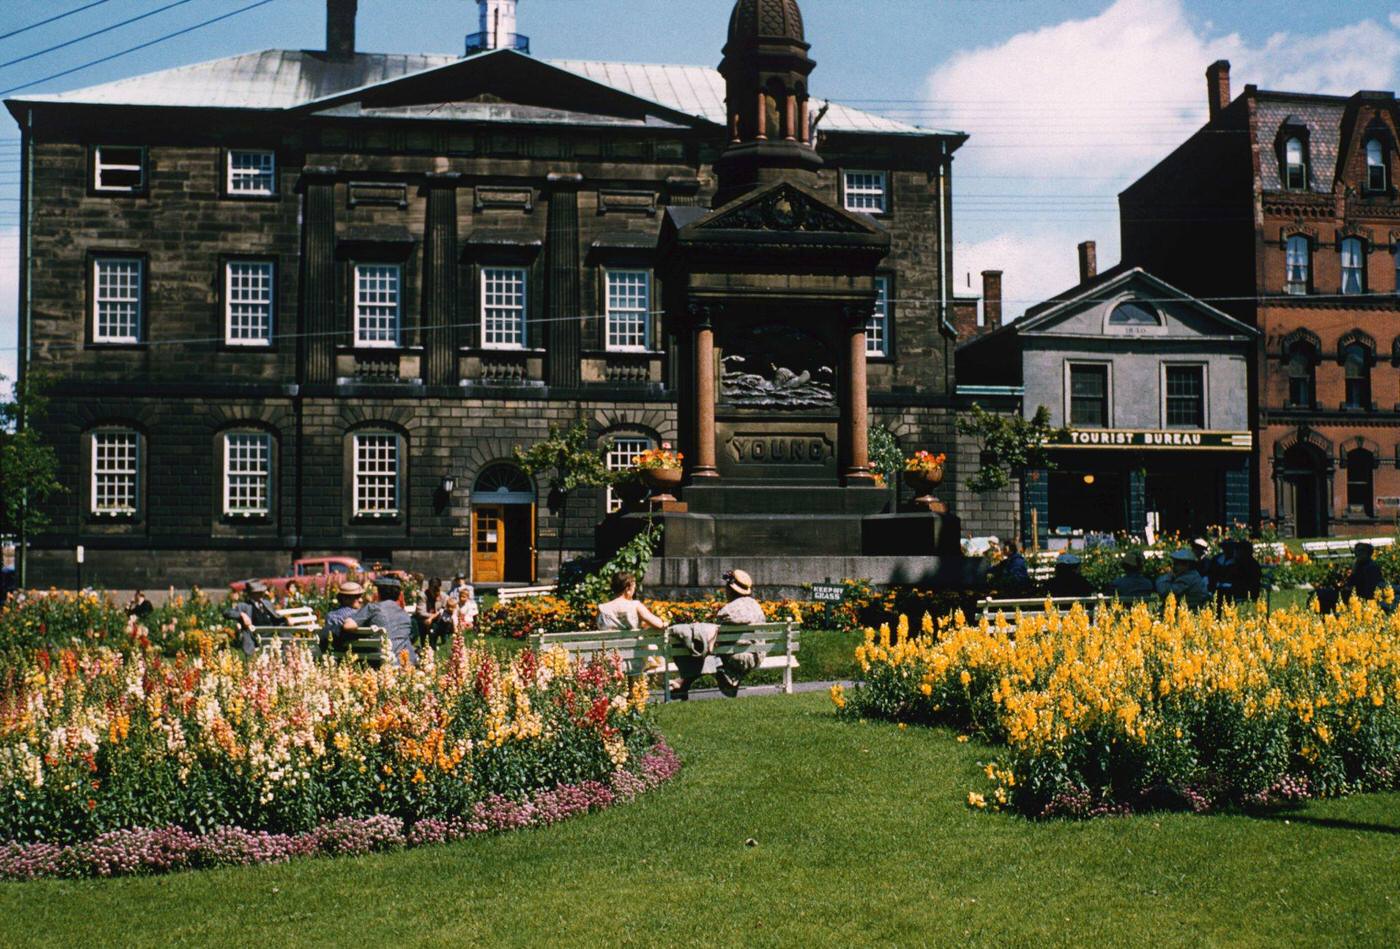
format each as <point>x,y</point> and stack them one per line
<point>662,482</point>
<point>923,481</point>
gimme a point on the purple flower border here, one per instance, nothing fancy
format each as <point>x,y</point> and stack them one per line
<point>166,849</point>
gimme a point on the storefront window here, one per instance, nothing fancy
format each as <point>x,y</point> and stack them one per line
<point>1186,397</point>
<point>1358,377</point>
<point>1088,395</point>
<point>1360,466</point>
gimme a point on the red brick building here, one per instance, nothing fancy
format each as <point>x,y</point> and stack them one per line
<point>1282,210</point>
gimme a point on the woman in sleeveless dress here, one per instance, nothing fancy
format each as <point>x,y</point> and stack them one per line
<point>624,610</point>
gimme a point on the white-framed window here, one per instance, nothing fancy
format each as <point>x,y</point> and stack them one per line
<point>251,172</point>
<point>115,470</point>
<point>1295,167</point>
<point>622,452</point>
<point>116,299</point>
<point>1353,266</point>
<point>118,168</point>
<point>628,309</point>
<point>376,474</point>
<point>503,307</point>
<point>247,473</point>
<point>248,302</point>
<point>378,292</point>
<point>877,331</point>
<point>1375,165</point>
<point>1298,264</point>
<point>1184,395</point>
<point>865,191</point>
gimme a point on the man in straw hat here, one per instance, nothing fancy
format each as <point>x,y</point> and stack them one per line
<point>741,610</point>
<point>253,612</point>
<point>388,614</point>
<point>349,598</point>
<point>1185,581</point>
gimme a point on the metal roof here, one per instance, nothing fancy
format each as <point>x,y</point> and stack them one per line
<point>284,79</point>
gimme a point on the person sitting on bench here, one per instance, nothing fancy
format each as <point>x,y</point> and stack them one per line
<point>349,598</point>
<point>389,615</point>
<point>741,610</point>
<point>624,610</point>
<point>254,612</point>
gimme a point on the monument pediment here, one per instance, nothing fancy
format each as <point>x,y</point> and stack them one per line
<point>784,208</point>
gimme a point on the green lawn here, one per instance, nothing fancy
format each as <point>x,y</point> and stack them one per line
<point>862,838</point>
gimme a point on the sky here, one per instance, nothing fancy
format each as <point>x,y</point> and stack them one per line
<point>1066,101</point>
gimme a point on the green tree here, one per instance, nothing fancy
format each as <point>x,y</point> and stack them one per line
<point>569,460</point>
<point>28,466</point>
<point>1009,444</point>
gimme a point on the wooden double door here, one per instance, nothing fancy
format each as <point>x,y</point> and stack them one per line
<point>503,543</point>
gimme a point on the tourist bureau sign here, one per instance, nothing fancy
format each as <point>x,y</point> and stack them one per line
<point>1125,438</point>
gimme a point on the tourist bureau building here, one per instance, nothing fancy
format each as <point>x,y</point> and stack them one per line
<point>302,302</point>
<point>1149,383</point>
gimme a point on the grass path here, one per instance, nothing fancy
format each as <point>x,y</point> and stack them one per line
<point>862,838</point>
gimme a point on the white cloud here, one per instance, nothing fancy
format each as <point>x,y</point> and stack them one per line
<point>1034,265</point>
<point>1063,117</point>
<point>9,301</point>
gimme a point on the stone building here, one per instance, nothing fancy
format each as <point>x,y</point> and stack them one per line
<point>1283,211</point>
<point>1147,381</point>
<point>302,302</point>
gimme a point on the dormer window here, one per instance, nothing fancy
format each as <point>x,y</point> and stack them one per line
<point>1375,166</point>
<point>1295,165</point>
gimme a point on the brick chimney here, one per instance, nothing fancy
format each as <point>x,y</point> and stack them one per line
<point>1088,261</point>
<point>1218,86</point>
<point>991,299</point>
<point>340,30</point>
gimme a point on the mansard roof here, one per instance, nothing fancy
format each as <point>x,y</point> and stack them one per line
<point>278,79</point>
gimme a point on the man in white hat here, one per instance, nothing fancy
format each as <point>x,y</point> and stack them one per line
<point>349,598</point>
<point>741,610</point>
<point>1185,581</point>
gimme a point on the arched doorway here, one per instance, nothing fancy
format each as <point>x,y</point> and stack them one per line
<point>1303,476</point>
<point>503,526</point>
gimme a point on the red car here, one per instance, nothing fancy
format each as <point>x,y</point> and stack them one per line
<point>314,573</point>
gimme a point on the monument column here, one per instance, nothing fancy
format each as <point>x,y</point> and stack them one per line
<point>703,465</point>
<point>855,432</point>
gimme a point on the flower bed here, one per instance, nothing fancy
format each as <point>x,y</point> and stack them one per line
<point>144,850</point>
<point>94,742</point>
<point>54,619</point>
<point>1191,710</point>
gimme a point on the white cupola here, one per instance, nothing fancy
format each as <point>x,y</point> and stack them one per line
<point>496,28</point>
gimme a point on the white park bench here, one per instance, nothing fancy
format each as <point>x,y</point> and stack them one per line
<point>506,594</point>
<point>302,629</point>
<point>1012,610</point>
<point>642,651</point>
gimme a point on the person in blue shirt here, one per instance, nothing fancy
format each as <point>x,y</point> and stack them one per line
<point>349,598</point>
<point>388,614</point>
<point>1012,574</point>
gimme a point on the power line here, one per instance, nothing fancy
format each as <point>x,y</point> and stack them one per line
<point>52,19</point>
<point>146,45</point>
<point>87,36</point>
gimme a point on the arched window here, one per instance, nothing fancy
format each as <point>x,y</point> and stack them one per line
<point>503,484</point>
<point>1375,165</point>
<point>1353,266</point>
<point>1299,265</point>
<point>1132,313</point>
<point>1295,166</point>
<point>1301,361</point>
<point>1360,471</point>
<point>1356,363</point>
<point>622,450</point>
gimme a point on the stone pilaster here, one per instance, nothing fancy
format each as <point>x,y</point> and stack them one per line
<point>440,298</point>
<point>563,333</point>
<point>317,305</point>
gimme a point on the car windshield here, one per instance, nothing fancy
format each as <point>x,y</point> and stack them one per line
<point>342,567</point>
<point>310,569</point>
